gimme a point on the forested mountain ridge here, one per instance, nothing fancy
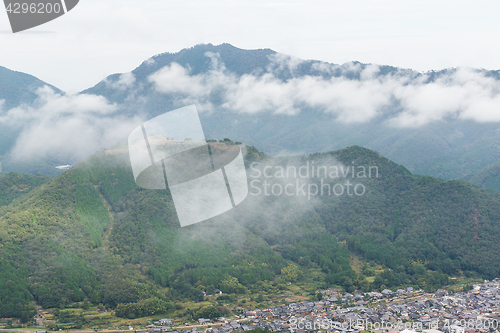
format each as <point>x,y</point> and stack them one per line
<point>447,148</point>
<point>60,244</point>
<point>488,178</point>
<point>283,105</point>
<point>235,60</point>
<point>13,186</point>
<point>17,87</point>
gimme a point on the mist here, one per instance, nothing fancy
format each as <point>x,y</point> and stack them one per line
<point>66,127</point>
<point>69,128</point>
<point>357,94</point>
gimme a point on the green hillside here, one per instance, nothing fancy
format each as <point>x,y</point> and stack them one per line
<point>14,185</point>
<point>92,235</point>
<point>488,178</point>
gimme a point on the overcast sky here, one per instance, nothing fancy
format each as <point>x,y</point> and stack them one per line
<point>99,38</point>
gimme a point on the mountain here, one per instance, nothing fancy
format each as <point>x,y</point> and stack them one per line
<point>435,123</point>
<point>91,234</point>
<point>448,148</point>
<point>16,89</point>
<point>488,178</point>
<point>235,60</point>
<point>14,186</point>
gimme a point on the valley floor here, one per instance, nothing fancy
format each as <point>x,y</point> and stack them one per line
<point>474,311</point>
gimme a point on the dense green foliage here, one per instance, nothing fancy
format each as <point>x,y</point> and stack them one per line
<point>15,297</point>
<point>445,224</point>
<point>324,250</point>
<point>58,276</point>
<point>210,312</point>
<point>60,244</point>
<point>142,308</point>
<point>91,211</point>
<point>14,185</point>
<point>488,177</point>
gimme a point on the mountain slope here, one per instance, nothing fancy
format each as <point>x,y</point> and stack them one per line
<point>236,60</point>
<point>17,88</point>
<point>488,177</point>
<point>64,245</point>
<point>251,96</point>
<point>14,186</point>
<point>448,148</point>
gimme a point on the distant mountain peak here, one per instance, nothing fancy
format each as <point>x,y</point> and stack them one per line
<point>17,87</point>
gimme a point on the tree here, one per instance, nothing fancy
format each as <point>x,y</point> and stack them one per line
<point>231,285</point>
<point>378,282</point>
<point>364,285</point>
<point>347,283</point>
<point>290,273</point>
<point>210,312</point>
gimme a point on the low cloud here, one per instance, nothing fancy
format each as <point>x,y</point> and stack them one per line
<point>353,93</point>
<point>280,62</point>
<point>69,127</point>
<point>465,94</point>
<point>72,127</point>
<point>125,81</point>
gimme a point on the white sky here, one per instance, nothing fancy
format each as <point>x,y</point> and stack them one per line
<point>98,38</point>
